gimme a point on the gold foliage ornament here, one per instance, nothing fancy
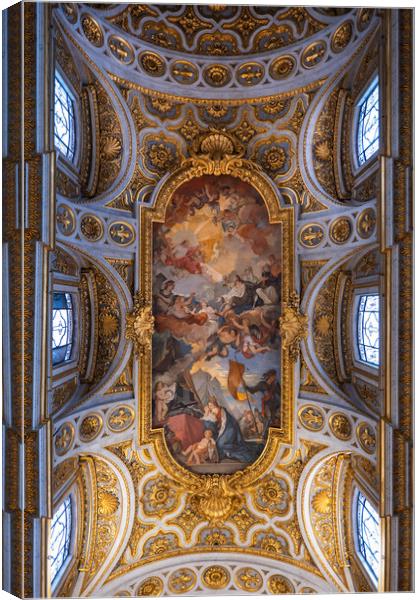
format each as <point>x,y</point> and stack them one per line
<point>216,502</point>
<point>216,577</point>
<point>152,586</point>
<point>293,326</point>
<point>277,584</point>
<point>140,325</point>
<point>217,153</point>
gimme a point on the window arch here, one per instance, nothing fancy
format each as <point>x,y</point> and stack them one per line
<point>62,327</point>
<point>60,538</point>
<point>368,535</point>
<point>368,333</point>
<point>64,121</point>
<point>367,137</point>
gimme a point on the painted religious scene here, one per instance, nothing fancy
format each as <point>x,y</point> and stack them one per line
<point>216,302</point>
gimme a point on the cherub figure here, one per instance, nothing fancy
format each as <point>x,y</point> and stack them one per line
<point>203,451</point>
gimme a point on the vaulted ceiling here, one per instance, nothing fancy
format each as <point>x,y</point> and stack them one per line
<point>278,89</point>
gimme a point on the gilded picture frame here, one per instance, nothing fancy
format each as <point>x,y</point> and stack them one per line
<point>214,154</point>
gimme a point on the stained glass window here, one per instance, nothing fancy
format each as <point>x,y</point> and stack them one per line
<point>60,538</point>
<point>64,125</point>
<point>62,327</point>
<point>368,535</point>
<point>368,329</point>
<point>368,124</point>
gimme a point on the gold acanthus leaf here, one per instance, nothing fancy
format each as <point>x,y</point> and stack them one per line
<point>140,326</point>
<point>216,501</point>
<point>293,326</point>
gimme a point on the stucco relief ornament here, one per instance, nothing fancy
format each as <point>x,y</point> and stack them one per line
<point>216,502</point>
<point>216,154</point>
<point>293,326</point>
<point>140,325</point>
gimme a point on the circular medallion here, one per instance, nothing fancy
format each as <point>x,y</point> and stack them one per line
<point>121,49</point>
<point>184,72</point>
<point>314,54</point>
<point>120,418</point>
<point>282,67</point>
<point>215,578</point>
<point>217,75</point>
<point>90,427</point>
<point>121,233</point>
<point>70,11</point>
<point>341,426</point>
<point>250,73</point>
<point>311,235</point>
<point>364,17</point>
<point>182,581</point>
<point>307,590</point>
<point>340,230</point>
<point>366,223</point>
<point>66,219</point>
<point>278,584</point>
<point>342,36</point>
<point>92,31</point>
<point>367,437</point>
<point>91,227</point>
<point>152,64</point>
<point>63,439</point>
<point>248,579</point>
<point>152,586</point>
<point>123,594</point>
<point>311,418</point>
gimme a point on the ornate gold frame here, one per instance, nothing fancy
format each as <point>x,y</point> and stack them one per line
<point>216,153</point>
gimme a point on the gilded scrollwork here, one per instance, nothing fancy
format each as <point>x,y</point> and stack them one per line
<point>293,326</point>
<point>140,325</point>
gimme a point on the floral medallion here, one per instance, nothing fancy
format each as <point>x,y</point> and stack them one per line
<point>282,67</point>
<point>152,586</point>
<point>278,584</point>
<point>340,230</point>
<point>90,427</point>
<point>216,577</point>
<point>341,426</point>
<point>92,30</point>
<point>152,64</point>
<point>342,36</point>
<point>91,228</point>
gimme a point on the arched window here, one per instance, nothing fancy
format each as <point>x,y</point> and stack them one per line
<point>368,123</point>
<point>62,327</point>
<point>60,538</point>
<point>368,329</point>
<point>368,536</point>
<point>64,124</point>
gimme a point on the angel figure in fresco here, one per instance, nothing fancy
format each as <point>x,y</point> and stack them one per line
<point>163,394</point>
<point>187,257</point>
<point>203,451</point>
<point>253,338</point>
